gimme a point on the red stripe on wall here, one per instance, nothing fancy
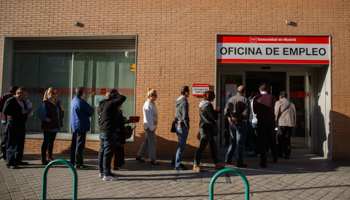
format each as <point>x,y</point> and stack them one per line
<point>94,91</point>
<point>254,39</point>
<point>269,61</point>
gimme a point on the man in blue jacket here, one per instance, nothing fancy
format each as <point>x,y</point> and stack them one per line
<point>80,111</point>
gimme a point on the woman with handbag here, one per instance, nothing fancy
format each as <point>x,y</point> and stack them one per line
<point>118,158</point>
<point>208,129</point>
<point>51,115</point>
<point>150,121</point>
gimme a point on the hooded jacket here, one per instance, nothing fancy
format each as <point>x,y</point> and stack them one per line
<point>285,113</point>
<point>207,110</point>
<point>108,113</point>
<point>181,111</point>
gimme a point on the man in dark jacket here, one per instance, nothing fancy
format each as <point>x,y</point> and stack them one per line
<point>80,113</point>
<point>108,121</point>
<point>183,125</point>
<point>3,98</point>
<point>16,110</point>
<point>263,106</point>
<point>237,112</point>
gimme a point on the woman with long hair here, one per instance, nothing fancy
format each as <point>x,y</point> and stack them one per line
<point>51,115</point>
<point>208,129</point>
<point>150,121</point>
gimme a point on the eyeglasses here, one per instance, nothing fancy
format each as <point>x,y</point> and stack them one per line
<point>53,93</point>
<point>155,95</point>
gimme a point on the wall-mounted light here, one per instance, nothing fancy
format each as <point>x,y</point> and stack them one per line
<point>76,23</point>
<point>288,22</point>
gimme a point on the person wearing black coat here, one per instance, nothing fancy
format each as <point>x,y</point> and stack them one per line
<point>118,158</point>
<point>207,128</point>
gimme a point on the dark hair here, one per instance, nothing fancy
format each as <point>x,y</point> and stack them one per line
<point>12,89</point>
<point>209,95</point>
<point>283,94</point>
<point>241,89</point>
<point>113,94</point>
<point>79,91</point>
<point>21,89</point>
<point>184,89</point>
<point>263,87</point>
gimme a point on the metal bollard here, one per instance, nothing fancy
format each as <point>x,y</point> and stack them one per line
<point>211,186</point>
<point>75,178</point>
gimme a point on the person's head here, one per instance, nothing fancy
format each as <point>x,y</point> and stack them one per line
<point>185,91</point>
<point>21,93</point>
<point>12,90</point>
<point>241,90</point>
<point>152,94</point>
<point>108,93</point>
<point>229,94</point>
<point>51,93</point>
<point>209,95</point>
<point>113,94</point>
<point>263,87</point>
<point>80,92</point>
<point>283,94</point>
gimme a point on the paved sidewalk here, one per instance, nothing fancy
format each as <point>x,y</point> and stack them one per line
<point>302,177</point>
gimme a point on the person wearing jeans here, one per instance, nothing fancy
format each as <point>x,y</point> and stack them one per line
<point>183,125</point>
<point>80,111</point>
<point>238,134</point>
<point>237,112</point>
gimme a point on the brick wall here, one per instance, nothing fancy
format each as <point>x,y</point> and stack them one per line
<point>176,46</point>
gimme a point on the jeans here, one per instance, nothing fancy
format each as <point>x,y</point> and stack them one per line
<point>253,141</point>
<point>206,136</point>
<point>182,134</point>
<point>238,137</point>
<point>266,133</point>
<point>108,142</point>
<point>76,148</point>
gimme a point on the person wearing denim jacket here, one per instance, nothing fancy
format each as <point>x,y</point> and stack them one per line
<point>237,112</point>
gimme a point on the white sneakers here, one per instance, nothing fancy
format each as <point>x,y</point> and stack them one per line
<point>109,177</point>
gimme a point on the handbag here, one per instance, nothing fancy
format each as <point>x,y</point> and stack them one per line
<point>128,131</point>
<point>173,127</point>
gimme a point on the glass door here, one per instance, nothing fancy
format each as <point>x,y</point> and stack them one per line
<point>300,95</point>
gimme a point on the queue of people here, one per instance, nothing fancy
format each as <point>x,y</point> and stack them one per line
<point>254,118</point>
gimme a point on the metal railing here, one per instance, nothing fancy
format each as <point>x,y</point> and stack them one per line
<point>75,178</point>
<point>211,186</point>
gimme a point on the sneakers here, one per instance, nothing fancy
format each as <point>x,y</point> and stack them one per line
<point>12,166</point>
<point>251,153</point>
<point>81,167</point>
<point>110,177</point>
<point>241,165</point>
<point>181,167</point>
<point>198,168</point>
<point>100,175</point>
<point>219,166</point>
<point>3,159</point>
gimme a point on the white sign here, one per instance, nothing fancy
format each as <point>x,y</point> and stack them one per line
<point>231,90</point>
<point>199,89</point>
<point>273,49</point>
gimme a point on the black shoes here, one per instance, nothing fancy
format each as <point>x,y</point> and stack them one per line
<point>262,165</point>
<point>181,167</point>
<point>228,162</point>
<point>241,165</point>
<point>173,163</point>
<point>139,158</point>
<point>22,163</point>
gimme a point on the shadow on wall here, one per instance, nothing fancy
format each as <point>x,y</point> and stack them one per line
<point>340,136</point>
<point>165,148</point>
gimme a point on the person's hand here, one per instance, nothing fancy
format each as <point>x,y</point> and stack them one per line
<point>24,112</point>
<point>48,120</point>
<point>126,121</point>
<point>61,107</point>
<point>217,109</point>
<point>30,110</point>
<point>155,122</point>
<point>233,122</point>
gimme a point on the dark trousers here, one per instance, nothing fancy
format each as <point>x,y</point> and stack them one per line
<point>118,158</point>
<point>76,148</point>
<point>283,137</point>
<point>206,136</point>
<point>49,138</point>
<point>267,135</point>
<point>15,133</point>
<point>3,140</point>
<point>107,148</point>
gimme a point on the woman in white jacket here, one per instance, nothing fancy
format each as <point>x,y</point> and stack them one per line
<point>150,120</point>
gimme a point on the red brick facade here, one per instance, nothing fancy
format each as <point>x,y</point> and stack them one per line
<point>176,47</point>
